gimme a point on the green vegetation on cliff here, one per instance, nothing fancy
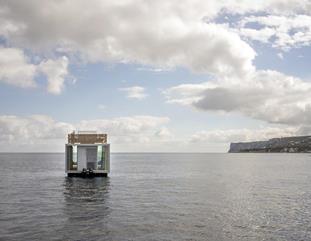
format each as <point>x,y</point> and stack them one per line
<point>285,144</point>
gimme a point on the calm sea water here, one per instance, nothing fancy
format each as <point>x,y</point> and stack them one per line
<point>158,197</point>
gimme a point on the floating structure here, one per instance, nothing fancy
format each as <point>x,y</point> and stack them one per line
<point>87,154</point>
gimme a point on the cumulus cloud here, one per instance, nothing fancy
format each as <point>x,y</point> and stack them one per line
<point>163,35</point>
<point>164,133</point>
<point>267,95</point>
<point>55,71</point>
<point>135,92</point>
<point>240,135</point>
<point>29,131</point>
<point>123,126</point>
<point>220,138</point>
<point>157,33</point>
<point>154,33</point>
<point>282,32</point>
<point>43,133</point>
<point>32,129</point>
<point>15,68</point>
<point>284,7</point>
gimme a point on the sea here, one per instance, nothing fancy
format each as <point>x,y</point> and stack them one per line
<point>158,196</point>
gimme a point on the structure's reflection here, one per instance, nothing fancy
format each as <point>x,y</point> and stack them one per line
<point>86,206</point>
<point>79,190</point>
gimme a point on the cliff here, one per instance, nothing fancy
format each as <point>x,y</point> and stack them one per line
<point>285,144</point>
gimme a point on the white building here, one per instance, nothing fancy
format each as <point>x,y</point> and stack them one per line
<point>87,154</point>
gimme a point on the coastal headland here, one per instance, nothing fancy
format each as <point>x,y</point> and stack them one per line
<point>296,144</point>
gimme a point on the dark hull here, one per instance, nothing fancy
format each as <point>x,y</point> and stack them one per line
<point>85,175</point>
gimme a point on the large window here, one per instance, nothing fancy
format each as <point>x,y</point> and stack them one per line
<point>100,157</point>
<point>72,158</point>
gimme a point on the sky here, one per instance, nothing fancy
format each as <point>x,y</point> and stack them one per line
<point>156,76</point>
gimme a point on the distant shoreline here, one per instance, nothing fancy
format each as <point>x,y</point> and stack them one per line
<point>295,144</point>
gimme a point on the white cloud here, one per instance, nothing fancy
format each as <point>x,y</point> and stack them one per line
<point>43,133</point>
<point>220,139</point>
<point>262,35</point>
<point>157,33</point>
<point>135,92</point>
<point>282,32</point>
<point>287,6</point>
<point>16,130</point>
<point>132,133</point>
<point>123,126</point>
<point>164,133</point>
<point>55,71</point>
<point>240,135</point>
<point>267,95</point>
<point>160,35</point>
<point>16,69</point>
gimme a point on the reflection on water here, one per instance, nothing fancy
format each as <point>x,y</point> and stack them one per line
<point>86,208</point>
<point>222,197</point>
<point>79,190</point>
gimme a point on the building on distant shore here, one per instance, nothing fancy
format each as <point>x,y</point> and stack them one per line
<point>87,154</point>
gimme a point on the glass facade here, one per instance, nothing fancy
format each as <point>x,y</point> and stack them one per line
<point>100,158</point>
<point>74,157</point>
<point>72,163</point>
<point>97,155</point>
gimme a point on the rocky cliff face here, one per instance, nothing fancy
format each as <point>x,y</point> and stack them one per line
<point>285,144</point>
